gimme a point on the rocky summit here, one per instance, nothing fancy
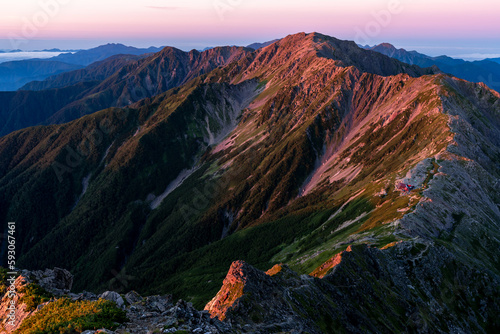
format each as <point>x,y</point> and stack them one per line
<point>306,186</point>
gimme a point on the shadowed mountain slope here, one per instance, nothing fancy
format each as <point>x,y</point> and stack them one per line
<point>291,154</point>
<point>117,81</point>
<point>97,71</point>
<point>14,74</point>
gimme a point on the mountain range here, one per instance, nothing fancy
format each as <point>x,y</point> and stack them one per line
<point>87,57</point>
<point>487,71</point>
<point>115,82</point>
<point>345,190</point>
<point>15,74</point>
<point>257,45</point>
<point>82,100</point>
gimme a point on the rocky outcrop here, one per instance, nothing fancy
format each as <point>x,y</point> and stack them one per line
<point>408,288</point>
<point>160,314</point>
<point>232,289</point>
<point>275,269</point>
<point>151,314</point>
<point>114,297</point>
<point>253,301</point>
<point>250,295</point>
<point>56,281</point>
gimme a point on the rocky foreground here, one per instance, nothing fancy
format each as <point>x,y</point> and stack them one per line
<point>410,287</point>
<point>153,314</point>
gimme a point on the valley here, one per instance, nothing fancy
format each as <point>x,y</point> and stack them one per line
<point>186,165</point>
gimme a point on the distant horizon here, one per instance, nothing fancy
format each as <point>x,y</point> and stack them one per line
<point>469,53</point>
<point>447,27</point>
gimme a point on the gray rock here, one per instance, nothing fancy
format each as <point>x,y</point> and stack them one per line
<point>133,297</point>
<point>56,281</point>
<point>104,331</point>
<point>114,297</point>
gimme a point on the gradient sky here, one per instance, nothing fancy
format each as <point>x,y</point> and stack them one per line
<point>458,27</point>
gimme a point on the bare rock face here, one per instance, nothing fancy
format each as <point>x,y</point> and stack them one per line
<point>234,287</point>
<point>416,287</point>
<point>57,281</point>
<point>253,301</point>
<point>275,269</point>
<point>159,314</point>
<point>133,297</point>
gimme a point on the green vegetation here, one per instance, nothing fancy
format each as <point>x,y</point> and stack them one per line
<point>197,275</point>
<point>262,84</point>
<point>260,189</point>
<point>66,317</point>
<point>307,253</point>
<point>3,281</point>
<point>247,195</point>
<point>34,295</point>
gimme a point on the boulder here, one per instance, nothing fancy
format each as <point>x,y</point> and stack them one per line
<point>114,297</point>
<point>133,297</point>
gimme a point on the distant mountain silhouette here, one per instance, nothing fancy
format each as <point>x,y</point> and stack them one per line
<point>257,46</point>
<point>117,81</point>
<point>99,70</point>
<point>487,71</point>
<point>87,57</point>
<point>496,60</point>
<point>15,74</point>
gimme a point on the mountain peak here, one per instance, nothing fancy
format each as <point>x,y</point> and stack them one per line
<point>313,37</point>
<point>386,45</point>
<point>306,48</point>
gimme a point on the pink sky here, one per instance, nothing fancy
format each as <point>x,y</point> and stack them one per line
<point>215,21</point>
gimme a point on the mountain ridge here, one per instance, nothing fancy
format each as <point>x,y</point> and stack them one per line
<point>96,71</point>
<point>40,69</point>
<point>110,87</point>
<point>291,154</point>
<point>87,57</point>
<point>487,71</point>
<point>15,74</point>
